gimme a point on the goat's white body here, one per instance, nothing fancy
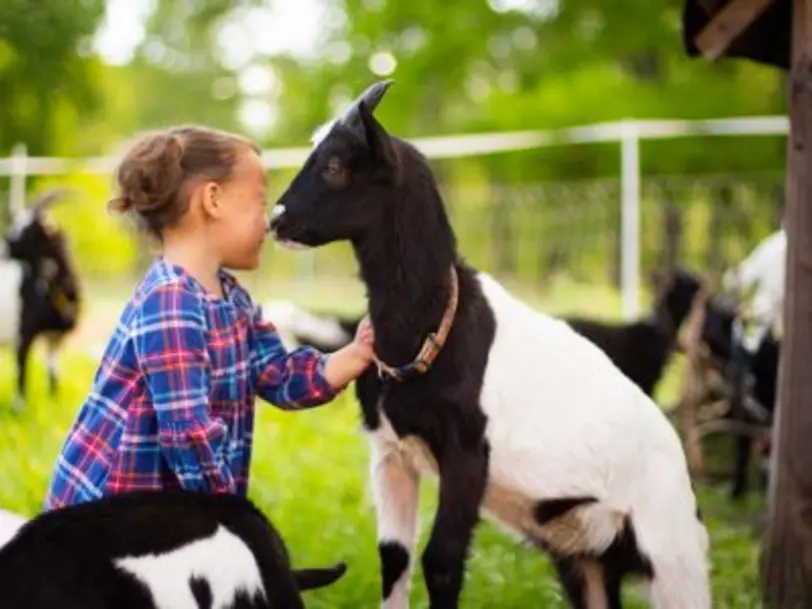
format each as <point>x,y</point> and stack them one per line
<point>563,421</point>
<point>764,270</point>
<point>223,560</point>
<point>11,276</point>
<point>291,321</point>
<point>10,523</point>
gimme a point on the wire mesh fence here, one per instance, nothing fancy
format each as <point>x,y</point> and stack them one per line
<point>529,234</point>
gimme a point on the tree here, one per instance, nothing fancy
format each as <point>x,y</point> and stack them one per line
<point>48,75</point>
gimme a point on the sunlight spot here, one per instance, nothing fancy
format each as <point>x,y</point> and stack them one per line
<point>524,38</point>
<point>382,63</point>
<point>258,116</point>
<point>338,52</point>
<point>223,88</point>
<point>258,80</point>
<point>538,9</point>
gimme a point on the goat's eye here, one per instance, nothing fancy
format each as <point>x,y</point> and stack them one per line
<point>335,173</point>
<point>333,165</point>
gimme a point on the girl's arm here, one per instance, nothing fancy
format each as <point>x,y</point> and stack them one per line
<point>304,377</point>
<point>170,341</point>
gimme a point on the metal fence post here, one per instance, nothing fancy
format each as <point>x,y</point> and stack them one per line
<point>630,219</point>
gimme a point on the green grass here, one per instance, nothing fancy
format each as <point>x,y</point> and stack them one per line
<point>309,476</point>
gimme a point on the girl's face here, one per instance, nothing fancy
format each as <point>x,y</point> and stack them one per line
<point>241,228</point>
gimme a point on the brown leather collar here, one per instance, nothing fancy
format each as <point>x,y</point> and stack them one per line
<point>432,345</point>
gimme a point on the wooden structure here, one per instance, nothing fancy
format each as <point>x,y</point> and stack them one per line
<point>779,33</point>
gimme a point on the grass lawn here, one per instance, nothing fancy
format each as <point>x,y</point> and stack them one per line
<point>309,476</point>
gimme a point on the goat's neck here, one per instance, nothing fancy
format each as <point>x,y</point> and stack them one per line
<point>408,285</point>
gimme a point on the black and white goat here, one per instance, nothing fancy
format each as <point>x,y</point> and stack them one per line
<point>154,550</point>
<point>40,289</point>
<point>641,349</point>
<point>513,410</point>
<point>754,400</point>
<point>297,326</point>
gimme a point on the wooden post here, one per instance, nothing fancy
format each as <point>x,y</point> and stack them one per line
<point>787,564</point>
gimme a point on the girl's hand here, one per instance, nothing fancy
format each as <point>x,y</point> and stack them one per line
<point>349,362</point>
<point>364,340</point>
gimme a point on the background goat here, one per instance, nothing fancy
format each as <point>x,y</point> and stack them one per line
<point>641,349</point>
<point>40,289</point>
<point>518,414</point>
<point>752,398</point>
<point>10,523</point>
<point>297,326</point>
<point>154,550</point>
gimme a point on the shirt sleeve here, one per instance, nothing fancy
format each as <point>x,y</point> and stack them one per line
<point>170,341</point>
<point>289,380</point>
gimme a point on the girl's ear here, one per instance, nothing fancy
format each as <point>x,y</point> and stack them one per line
<point>211,193</point>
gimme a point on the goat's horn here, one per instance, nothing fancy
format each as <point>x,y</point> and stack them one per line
<point>48,198</point>
<point>371,97</point>
<point>375,92</point>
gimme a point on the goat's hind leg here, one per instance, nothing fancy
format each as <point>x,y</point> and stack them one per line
<point>587,583</point>
<point>395,486</point>
<point>463,478</point>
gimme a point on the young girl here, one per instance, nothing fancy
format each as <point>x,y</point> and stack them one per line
<point>172,403</point>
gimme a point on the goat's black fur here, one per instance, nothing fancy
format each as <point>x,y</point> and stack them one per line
<point>374,190</point>
<point>64,558</point>
<point>641,349</point>
<point>49,290</point>
<point>407,277</point>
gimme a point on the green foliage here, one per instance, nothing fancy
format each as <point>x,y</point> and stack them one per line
<point>44,78</point>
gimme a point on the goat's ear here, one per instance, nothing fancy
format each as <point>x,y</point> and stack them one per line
<point>375,137</point>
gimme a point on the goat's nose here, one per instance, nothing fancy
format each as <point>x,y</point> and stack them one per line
<point>276,213</point>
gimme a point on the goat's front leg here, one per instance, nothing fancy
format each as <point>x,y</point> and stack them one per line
<point>463,478</point>
<point>395,489</point>
<point>53,375</point>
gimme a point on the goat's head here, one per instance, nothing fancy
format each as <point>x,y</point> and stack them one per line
<point>345,184</point>
<point>675,292</point>
<point>31,236</point>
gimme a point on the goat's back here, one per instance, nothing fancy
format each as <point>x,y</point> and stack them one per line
<point>554,399</point>
<point>639,349</point>
<point>113,551</point>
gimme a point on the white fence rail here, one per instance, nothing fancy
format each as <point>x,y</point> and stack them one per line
<point>627,134</point>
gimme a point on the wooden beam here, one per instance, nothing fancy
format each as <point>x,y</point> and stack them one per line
<point>727,24</point>
<point>787,558</point>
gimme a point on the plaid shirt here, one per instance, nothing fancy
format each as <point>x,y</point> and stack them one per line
<point>172,403</point>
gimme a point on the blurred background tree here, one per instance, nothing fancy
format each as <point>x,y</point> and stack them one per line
<point>78,78</point>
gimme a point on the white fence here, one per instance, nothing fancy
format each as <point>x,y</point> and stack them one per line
<point>627,134</point>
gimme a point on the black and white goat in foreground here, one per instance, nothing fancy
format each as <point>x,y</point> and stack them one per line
<point>512,409</point>
<point>642,348</point>
<point>154,550</point>
<point>40,289</point>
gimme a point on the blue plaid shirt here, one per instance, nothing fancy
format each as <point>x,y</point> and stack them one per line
<point>172,403</point>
